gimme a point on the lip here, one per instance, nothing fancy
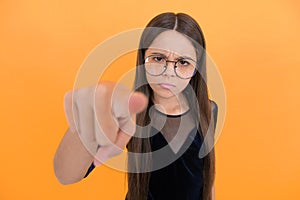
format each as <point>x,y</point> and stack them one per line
<point>166,85</point>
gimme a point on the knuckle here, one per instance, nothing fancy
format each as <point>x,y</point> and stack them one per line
<point>68,97</point>
<point>104,88</point>
<point>68,102</point>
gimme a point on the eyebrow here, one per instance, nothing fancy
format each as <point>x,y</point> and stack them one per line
<point>163,55</point>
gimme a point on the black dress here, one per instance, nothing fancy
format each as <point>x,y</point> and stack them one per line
<point>181,179</point>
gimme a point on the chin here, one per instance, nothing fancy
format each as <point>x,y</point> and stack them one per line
<point>165,94</point>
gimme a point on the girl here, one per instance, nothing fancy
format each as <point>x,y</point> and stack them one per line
<point>173,80</point>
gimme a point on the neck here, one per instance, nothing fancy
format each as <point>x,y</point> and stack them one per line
<point>174,105</point>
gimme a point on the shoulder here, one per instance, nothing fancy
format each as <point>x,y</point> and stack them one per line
<point>214,107</point>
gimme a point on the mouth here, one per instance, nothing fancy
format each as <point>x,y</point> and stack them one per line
<point>166,85</point>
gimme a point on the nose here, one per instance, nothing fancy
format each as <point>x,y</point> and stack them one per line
<point>170,68</point>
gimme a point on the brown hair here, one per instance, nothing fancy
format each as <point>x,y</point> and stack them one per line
<point>138,183</point>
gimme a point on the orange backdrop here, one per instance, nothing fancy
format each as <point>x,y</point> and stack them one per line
<point>254,43</point>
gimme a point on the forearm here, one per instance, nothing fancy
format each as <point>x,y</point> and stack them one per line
<point>213,191</point>
<point>72,159</point>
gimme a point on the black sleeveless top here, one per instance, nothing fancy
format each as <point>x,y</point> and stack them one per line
<point>182,178</point>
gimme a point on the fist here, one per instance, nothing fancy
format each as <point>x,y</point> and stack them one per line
<point>104,115</point>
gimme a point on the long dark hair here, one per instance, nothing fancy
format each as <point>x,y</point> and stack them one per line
<point>138,182</point>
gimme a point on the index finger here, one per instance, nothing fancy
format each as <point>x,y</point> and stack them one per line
<point>115,107</point>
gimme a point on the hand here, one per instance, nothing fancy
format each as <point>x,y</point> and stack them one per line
<point>104,114</point>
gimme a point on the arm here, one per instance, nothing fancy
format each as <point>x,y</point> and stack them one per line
<point>215,117</point>
<point>92,111</point>
<point>72,159</point>
<point>213,192</point>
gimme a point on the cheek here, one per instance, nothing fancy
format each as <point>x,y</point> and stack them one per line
<point>152,79</point>
<point>183,84</point>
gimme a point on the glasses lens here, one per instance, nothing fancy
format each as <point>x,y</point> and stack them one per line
<point>185,68</point>
<point>155,65</point>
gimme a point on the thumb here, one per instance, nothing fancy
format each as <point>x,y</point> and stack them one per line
<point>137,102</point>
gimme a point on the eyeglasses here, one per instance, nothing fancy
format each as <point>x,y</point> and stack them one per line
<point>156,65</point>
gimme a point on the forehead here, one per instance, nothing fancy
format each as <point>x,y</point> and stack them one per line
<point>173,42</point>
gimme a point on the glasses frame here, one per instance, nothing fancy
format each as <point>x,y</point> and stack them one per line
<point>175,66</point>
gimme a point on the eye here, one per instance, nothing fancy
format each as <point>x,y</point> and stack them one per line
<point>183,62</point>
<point>157,58</point>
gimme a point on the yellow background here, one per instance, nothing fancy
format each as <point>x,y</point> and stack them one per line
<point>254,44</point>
